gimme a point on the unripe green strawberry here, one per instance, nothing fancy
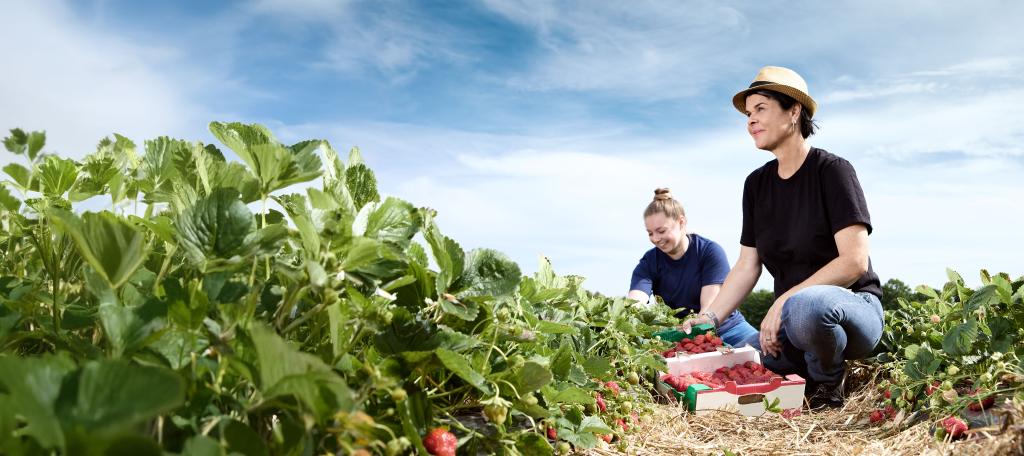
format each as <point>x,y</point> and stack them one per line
<point>633,378</point>
<point>397,446</point>
<point>496,413</point>
<point>530,399</point>
<point>952,370</point>
<point>398,395</point>
<point>564,448</point>
<point>627,407</point>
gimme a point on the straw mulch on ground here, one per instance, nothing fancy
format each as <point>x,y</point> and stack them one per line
<point>845,431</point>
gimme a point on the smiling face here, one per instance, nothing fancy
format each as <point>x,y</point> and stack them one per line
<point>768,123</point>
<point>666,233</point>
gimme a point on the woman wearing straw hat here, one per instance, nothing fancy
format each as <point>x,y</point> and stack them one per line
<point>806,220</point>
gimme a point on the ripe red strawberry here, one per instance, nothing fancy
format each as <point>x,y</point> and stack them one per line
<point>955,427</point>
<point>552,433</point>
<point>890,411</point>
<point>614,386</point>
<point>877,416</point>
<point>606,437</point>
<point>600,403</point>
<point>440,442</point>
<point>928,390</point>
<point>888,394</point>
<point>979,403</point>
<point>699,339</point>
<point>622,424</point>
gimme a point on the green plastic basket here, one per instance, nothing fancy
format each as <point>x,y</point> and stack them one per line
<point>675,335</point>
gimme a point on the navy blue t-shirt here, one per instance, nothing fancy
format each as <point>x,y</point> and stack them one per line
<point>679,282</point>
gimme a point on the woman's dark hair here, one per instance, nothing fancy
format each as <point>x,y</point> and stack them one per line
<point>807,125</point>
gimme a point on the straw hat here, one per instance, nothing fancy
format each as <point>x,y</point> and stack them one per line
<point>778,79</point>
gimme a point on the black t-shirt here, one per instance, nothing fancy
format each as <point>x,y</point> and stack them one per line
<point>792,222</point>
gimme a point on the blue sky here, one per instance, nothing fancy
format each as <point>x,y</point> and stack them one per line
<point>542,127</point>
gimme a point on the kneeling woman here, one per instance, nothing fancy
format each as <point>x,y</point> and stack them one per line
<point>806,220</point>
<point>685,269</point>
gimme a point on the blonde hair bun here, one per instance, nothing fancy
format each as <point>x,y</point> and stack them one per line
<point>664,203</point>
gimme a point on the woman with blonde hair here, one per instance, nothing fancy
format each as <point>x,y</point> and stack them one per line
<point>685,269</point>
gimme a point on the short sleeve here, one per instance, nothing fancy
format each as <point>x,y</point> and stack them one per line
<point>643,276</point>
<point>748,235</point>
<point>715,265</point>
<point>843,197</point>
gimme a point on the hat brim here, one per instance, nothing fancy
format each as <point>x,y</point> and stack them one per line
<point>740,99</point>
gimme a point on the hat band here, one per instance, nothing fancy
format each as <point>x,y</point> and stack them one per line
<point>760,83</point>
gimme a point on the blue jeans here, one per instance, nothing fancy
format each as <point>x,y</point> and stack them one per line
<point>737,332</point>
<point>822,327</point>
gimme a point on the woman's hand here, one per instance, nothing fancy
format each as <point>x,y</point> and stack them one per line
<point>689,324</point>
<point>770,328</point>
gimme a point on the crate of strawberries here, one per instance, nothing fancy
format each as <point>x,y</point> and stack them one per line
<point>726,379</point>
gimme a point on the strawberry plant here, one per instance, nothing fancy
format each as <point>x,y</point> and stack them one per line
<point>211,306</point>
<point>960,348</point>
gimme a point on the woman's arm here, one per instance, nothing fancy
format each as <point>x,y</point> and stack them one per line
<point>737,285</point>
<point>843,270</point>
<point>708,293</point>
<point>639,296</point>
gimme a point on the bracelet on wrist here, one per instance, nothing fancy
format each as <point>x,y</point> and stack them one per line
<point>711,315</point>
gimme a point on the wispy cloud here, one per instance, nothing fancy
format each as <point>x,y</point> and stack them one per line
<point>971,121</point>
<point>380,38</point>
<point>672,50</point>
<point>644,49</point>
<point>962,79</point>
<point>81,84</point>
<point>317,10</point>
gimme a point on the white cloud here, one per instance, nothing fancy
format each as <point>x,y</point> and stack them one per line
<point>306,9</point>
<point>976,77</point>
<point>975,125</point>
<point>386,38</point>
<point>667,50</point>
<point>81,84</point>
<point>651,50</point>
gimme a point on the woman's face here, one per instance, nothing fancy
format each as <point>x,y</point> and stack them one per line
<point>665,233</point>
<point>768,123</point>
